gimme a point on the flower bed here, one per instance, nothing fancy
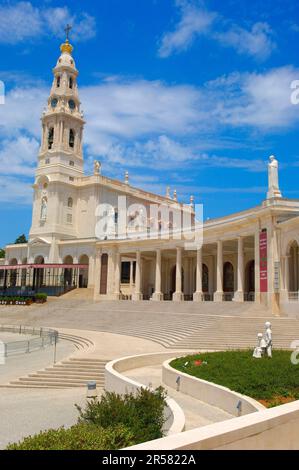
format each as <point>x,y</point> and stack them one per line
<point>272,382</point>
<point>16,301</point>
<point>19,300</point>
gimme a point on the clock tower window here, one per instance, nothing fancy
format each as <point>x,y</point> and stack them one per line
<point>50,137</point>
<point>71,83</point>
<point>58,81</point>
<point>72,138</point>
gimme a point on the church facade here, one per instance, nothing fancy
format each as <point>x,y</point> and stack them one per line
<point>126,243</point>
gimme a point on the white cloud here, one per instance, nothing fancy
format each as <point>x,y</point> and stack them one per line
<point>22,21</point>
<point>18,156</point>
<point>14,190</point>
<point>197,21</point>
<point>257,42</point>
<point>194,22</point>
<point>154,125</point>
<point>260,101</point>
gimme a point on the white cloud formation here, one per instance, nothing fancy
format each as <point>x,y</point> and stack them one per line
<point>197,21</point>
<point>18,156</point>
<point>22,21</point>
<point>149,124</point>
<point>14,190</point>
<point>194,22</point>
<point>256,42</point>
<point>261,101</point>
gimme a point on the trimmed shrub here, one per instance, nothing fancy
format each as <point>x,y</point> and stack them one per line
<point>79,437</point>
<point>41,297</point>
<point>141,412</point>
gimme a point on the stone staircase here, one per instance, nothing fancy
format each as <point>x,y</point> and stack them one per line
<point>74,372</point>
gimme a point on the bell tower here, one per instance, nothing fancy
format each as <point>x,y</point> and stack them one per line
<point>62,121</point>
<point>60,159</point>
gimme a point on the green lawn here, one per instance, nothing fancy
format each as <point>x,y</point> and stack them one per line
<point>271,381</point>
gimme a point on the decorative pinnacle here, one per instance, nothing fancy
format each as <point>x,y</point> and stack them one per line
<point>66,46</point>
<point>67,30</point>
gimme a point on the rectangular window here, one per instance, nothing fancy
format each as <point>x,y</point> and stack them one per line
<point>125,272</point>
<point>47,161</point>
<point>72,163</point>
<point>71,178</point>
<point>69,218</point>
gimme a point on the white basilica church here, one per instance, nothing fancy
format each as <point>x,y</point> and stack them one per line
<point>250,256</point>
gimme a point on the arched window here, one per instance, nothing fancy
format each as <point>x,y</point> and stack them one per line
<point>58,81</point>
<point>71,82</point>
<point>72,138</point>
<point>50,137</point>
<point>70,202</point>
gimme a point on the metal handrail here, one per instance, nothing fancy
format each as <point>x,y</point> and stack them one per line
<point>43,337</point>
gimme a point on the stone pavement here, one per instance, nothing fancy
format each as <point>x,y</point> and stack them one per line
<point>197,413</point>
<point>185,325</point>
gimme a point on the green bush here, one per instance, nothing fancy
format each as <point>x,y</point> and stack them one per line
<point>79,437</point>
<point>142,413</point>
<point>41,296</point>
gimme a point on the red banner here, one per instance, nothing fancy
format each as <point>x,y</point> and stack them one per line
<point>263,262</point>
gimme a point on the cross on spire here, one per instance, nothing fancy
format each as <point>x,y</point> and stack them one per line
<point>67,30</point>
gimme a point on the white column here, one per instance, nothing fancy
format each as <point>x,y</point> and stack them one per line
<point>137,294</point>
<point>239,294</point>
<point>97,274</point>
<point>197,296</point>
<point>257,266</point>
<point>178,294</point>
<point>284,293</point>
<point>218,295</point>
<point>157,295</point>
<point>131,276</point>
<point>117,269</point>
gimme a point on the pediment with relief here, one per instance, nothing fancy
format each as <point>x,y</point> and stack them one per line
<point>38,241</point>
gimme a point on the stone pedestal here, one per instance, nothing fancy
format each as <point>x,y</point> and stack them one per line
<point>197,297</point>
<point>238,296</point>
<point>218,296</point>
<point>137,296</point>
<point>178,297</point>
<point>157,296</point>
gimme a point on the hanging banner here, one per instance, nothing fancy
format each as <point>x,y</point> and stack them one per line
<point>263,262</point>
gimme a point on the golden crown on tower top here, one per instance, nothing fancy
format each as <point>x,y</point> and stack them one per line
<point>66,47</point>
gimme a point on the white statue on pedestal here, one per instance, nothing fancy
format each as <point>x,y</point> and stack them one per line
<point>273,186</point>
<point>258,350</point>
<point>96,167</point>
<point>268,338</point>
<point>264,343</point>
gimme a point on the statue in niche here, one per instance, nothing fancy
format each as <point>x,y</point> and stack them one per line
<point>273,186</point>
<point>44,207</point>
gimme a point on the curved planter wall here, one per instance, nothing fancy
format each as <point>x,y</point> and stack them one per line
<point>116,382</point>
<point>210,393</point>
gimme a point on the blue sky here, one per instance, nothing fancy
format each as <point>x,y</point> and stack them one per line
<point>185,93</point>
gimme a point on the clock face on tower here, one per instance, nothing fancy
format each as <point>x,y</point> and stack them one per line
<point>72,104</point>
<point>54,102</point>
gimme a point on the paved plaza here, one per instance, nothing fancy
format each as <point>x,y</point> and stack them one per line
<point>114,330</point>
